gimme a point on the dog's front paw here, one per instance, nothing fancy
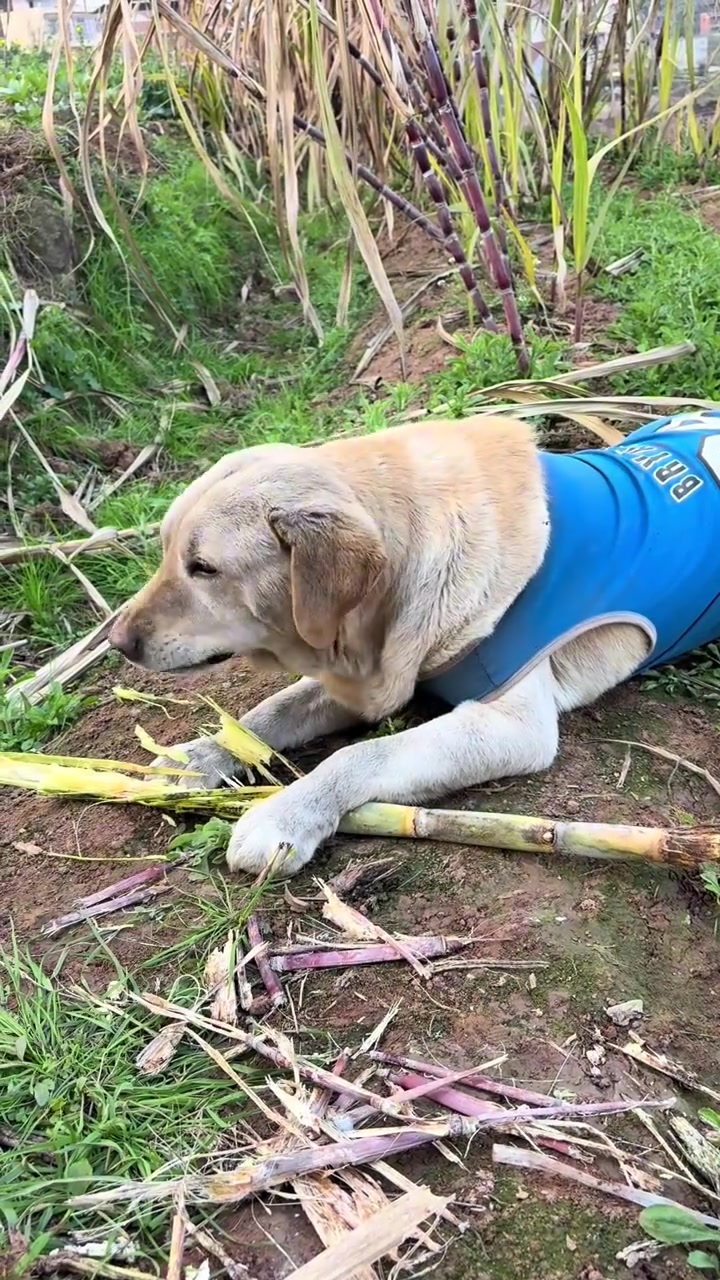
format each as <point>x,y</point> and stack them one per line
<point>285,831</point>
<point>209,765</point>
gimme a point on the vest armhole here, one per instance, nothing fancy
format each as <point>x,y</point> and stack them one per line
<point>602,620</point>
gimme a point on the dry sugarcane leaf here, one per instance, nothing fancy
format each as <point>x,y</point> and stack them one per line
<point>331,1211</point>
<point>73,509</point>
<point>158,1054</point>
<point>354,923</point>
<point>377,1236</point>
<point>636,1049</point>
<point>220,982</point>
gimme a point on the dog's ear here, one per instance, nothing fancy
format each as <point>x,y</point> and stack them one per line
<point>336,557</point>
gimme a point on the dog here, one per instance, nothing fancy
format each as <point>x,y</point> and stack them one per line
<point>513,584</point>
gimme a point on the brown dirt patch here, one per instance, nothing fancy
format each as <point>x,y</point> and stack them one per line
<point>594,933</point>
<point>412,261</point>
<point>709,211</point>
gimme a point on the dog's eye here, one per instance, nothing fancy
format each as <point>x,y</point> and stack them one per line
<point>200,569</point>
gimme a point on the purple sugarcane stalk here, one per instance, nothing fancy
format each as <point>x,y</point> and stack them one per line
<point>456,1100</point>
<point>502,200</point>
<point>373,953</point>
<point>136,898</point>
<point>474,1081</point>
<point>323,1097</point>
<point>472,190</point>
<point>270,982</point>
<point>451,240</point>
<point>418,141</point>
<point>150,875</point>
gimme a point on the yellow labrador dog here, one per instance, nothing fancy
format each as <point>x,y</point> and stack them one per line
<point>369,565</point>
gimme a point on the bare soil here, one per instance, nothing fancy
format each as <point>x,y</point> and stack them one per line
<point>598,933</point>
<point>413,262</point>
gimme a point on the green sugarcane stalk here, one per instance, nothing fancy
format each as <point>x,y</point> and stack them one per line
<point>517,832</point>
<point>520,833</point>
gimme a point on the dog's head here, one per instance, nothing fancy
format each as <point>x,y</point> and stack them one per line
<point>263,556</point>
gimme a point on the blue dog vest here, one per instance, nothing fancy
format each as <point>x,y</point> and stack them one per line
<point>634,537</point>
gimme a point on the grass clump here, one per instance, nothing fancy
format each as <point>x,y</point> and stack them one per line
<point>76,1114</point>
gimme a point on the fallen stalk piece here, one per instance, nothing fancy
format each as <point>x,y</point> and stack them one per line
<point>465,1105</point>
<point>473,1081</point>
<point>373,953</point>
<point>270,982</point>
<point>136,898</point>
<point>519,1158</point>
<point>523,834</point>
<point>252,1177</point>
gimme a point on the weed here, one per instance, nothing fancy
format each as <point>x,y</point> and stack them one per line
<point>673,1225</point>
<point>208,838</point>
<point>24,727</point>
<point>710,876</point>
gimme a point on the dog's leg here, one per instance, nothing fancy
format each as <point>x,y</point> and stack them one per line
<point>298,714</point>
<point>289,718</point>
<point>517,733</point>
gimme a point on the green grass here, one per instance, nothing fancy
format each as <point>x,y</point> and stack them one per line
<point>673,296</point>
<point>80,1115</point>
<point>75,1114</point>
<point>23,726</point>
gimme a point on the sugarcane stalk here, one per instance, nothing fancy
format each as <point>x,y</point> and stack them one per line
<point>317,1075</point>
<point>373,953</point>
<point>451,240</point>
<point>255,1176</point>
<point>150,875</point>
<point>474,1081</point>
<point>270,982</point>
<point>470,185</point>
<point>520,833</point>
<point>108,906</point>
<point>503,206</point>
<point>465,1105</point>
<point>418,142</point>
<point>519,1158</point>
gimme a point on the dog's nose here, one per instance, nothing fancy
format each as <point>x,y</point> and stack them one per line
<point>127,639</point>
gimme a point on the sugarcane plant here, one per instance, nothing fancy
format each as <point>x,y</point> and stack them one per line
<point>446,115</point>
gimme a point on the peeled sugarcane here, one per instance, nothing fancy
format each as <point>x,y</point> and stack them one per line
<point>519,833</point>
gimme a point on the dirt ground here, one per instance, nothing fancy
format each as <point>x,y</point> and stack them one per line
<point>597,933</point>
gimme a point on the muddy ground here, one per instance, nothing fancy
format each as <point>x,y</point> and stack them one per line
<point>597,932</point>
